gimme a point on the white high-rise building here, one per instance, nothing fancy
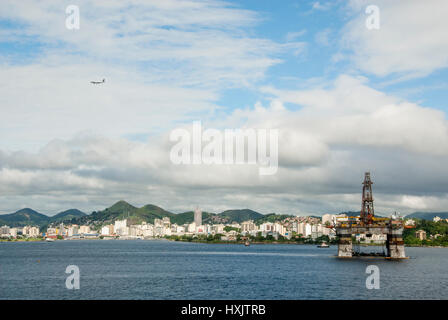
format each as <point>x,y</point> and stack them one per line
<point>29,231</point>
<point>305,229</point>
<point>4,231</point>
<point>192,227</point>
<point>198,217</point>
<point>121,227</point>
<point>328,218</point>
<point>107,230</point>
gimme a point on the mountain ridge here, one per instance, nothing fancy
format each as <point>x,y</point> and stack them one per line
<point>428,215</point>
<point>124,210</point>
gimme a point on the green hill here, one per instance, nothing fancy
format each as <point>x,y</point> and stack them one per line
<point>272,217</point>
<point>24,217</point>
<point>67,215</point>
<point>241,215</point>
<point>123,210</point>
<point>188,217</point>
<point>150,212</point>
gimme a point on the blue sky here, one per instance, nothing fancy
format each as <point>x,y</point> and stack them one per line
<point>345,100</point>
<point>297,20</point>
<point>299,17</point>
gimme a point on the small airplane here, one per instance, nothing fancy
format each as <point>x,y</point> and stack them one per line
<point>98,82</point>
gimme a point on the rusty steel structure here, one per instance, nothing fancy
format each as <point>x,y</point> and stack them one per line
<point>367,211</point>
<point>366,223</point>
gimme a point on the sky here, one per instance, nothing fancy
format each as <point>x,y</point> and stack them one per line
<point>344,98</point>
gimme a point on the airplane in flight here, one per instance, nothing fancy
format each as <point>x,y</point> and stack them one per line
<point>98,82</point>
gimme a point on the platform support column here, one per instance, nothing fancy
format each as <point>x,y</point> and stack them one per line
<point>345,248</point>
<point>395,245</point>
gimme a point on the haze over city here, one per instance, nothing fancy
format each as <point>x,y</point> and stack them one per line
<point>341,102</point>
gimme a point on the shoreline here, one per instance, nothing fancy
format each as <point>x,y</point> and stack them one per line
<point>221,242</point>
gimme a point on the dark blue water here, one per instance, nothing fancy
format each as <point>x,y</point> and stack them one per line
<point>175,270</point>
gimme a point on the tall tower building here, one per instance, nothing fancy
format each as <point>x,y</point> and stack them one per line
<point>198,217</point>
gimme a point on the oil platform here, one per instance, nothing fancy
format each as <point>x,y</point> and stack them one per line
<point>366,223</point>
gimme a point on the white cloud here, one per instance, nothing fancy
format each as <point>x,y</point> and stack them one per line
<point>164,62</point>
<point>411,40</point>
<point>290,36</point>
<point>325,146</point>
<point>352,113</point>
<point>321,6</point>
<point>186,42</point>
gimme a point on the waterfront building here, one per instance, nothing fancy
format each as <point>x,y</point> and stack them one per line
<point>180,229</point>
<point>166,223</point>
<point>198,217</point>
<point>294,226</point>
<point>107,230</point>
<point>420,234</point>
<point>52,231</point>
<point>192,227</point>
<point>135,230</point>
<point>267,227</point>
<point>202,229</point>
<point>328,219</point>
<point>167,231</point>
<point>218,228</point>
<point>13,232</point>
<point>29,231</point>
<point>72,230</point>
<point>84,229</point>
<point>158,228</point>
<point>121,227</point>
<point>234,225</point>
<point>306,230</point>
<point>280,229</point>
<point>148,230</point>
<point>248,226</point>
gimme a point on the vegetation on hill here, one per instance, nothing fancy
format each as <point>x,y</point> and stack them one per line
<point>438,231</point>
<point>147,213</point>
<point>123,210</point>
<point>188,217</point>
<point>240,215</point>
<point>67,215</point>
<point>272,217</point>
<point>24,217</point>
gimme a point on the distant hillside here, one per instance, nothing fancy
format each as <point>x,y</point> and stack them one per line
<point>188,217</point>
<point>428,215</point>
<point>272,217</point>
<point>67,215</point>
<point>123,210</point>
<point>24,217</point>
<point>241,215</point>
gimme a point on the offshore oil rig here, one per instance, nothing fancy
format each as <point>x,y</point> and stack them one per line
<point>366,223</point>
